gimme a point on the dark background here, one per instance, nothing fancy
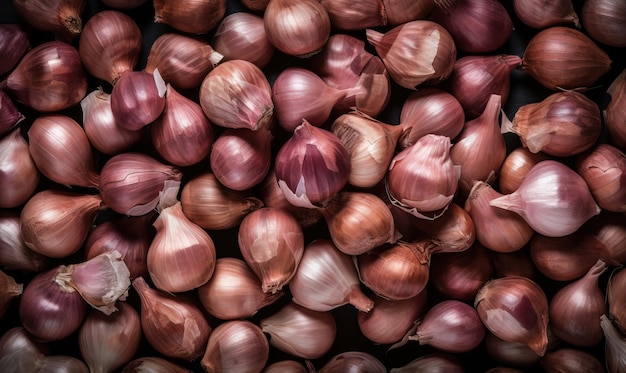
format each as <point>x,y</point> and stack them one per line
<point>523,90</point>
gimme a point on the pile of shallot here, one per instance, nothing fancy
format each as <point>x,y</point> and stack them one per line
<point>312,186</point>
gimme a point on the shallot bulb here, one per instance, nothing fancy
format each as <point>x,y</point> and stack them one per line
<point>10,116</point>
<point>553,199</point>
<point>59,16</point>
<point>540,14</point>
<point>614,346</point>
<point>451,326</point>
<point>353,361</point>
<point>426,163</point>
<point>14,254</point>
<point>477,26</point>
<point>603,169</point>
<point>50,77</point>
<point>236,346</point>
<point>138,99</point>
<point>234,280</point>
<point>605,21</point>
<point>272,244</point>
<point>190,16</point>
<point>14,44</point>
<point>236,94</point>
<point>174,325</point>
<point>297,27</point>
<point>312,166</point>
<point>613,114</point>
<point>182,61</point>
<point>182,255</point>
<point>62,152</point>
<point>575,309</point>
<point>110,45</point>
<point>241,36</point>
<point>9,290</point>
<point>346,15</point>
<point>19,175</point>
<point>515,309</point>
<point>326,279</point>
<point>436,362</point>
<point>416,53</point>
<point>615,303</point>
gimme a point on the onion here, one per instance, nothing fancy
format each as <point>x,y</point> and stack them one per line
<point>190,16</point>
<point>19,175</point>
<point>540,14</point>
<point>137,99</point>
<point>14,254</point>
<point>241,36</point>
<point>605,21</point>
<point>13,45</point>
<point>59,16</point>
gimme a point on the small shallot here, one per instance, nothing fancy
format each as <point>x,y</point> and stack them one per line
<point>56,223</point>
<point>108,342</point>
<point>312,166</point>
<point>236,346</point>
<point>416,53</point>
<point>576,308</point>
<point>9,290</point>
<point>130,183</point>
<point>430,111</point>
<point>426,163</point>
<point>614,346</point>
<point>174,325</point>
<point>615,302</point>
<point>451,326</point>
<point>353,361</point>
<point>391,320</point>
<point>101,129</point>
<point>234,280</point>
<point>19,175</point>
<point>62,152</point>
<point>182,135</point>
<point>515,167</point>
<point>562,57</point>
<point>240,158</point>
<point>553,199</point>
<point>571,360</point>
<point>14,254</point>
<point>50,77</point>
<point>10,116</point>
<point>515,309</point>
<point>110,45</point>
<point>59,16</point>
<point>496,229</point>
<point>326,279</point>
<point>358,222</point>
<point>300,331</point>
<point>603,168</point>
<point>540,14</point>
<point>297,27</point>
<point>14,44</point>
<point>272,244</point>
<point>211,205</point>
<point>563,124</point>
<point>182,255</point>
<point>236,94</point>
<point>480,148</point>
<point>241,36</point>
<point>182,61</point>
<point>137,99</point>
<point>454,230</point>
<point>190,16</point>
<point>605,21</point>
<point>398,271</point>
<point>346,15</point>
<point>477,26</point>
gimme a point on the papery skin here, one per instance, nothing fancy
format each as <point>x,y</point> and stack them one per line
<point>561,125</point>
<point>212,206</point>
<point>604,169</point>
<point>110,45</point>
<point>130,183</point>
<point>14,254</point>
<point>236,346</point>
<point>515,309</point>
<point>540,14</point>
<point>359,222</point>
<point>50,77</point>
<point>241,36</point>
<point>240,159</point>
<point>312,166</point>
<point>553,199</point>
<point>515,167</point>
<point>426,163</point>
<point>56,223</point>
<point>62,152</point>
<point>430,110</point>
<point>615,302</point>
<point>190,16</point>
<point>402,11</point>
<point>272,244</point>
<point>19,175</point>
<point>107,342</point>
<point>101,128</point>
<point>567,359</point>
<point>297,28</point>
<point>564,58</point>
<point>182,135</point>
<point>346,15</point>
<point>412,64</point>
<point>614,345</point>
<point>236,94</point>
<point>14,44</point>
<point>300,331</point>
<point>101,280</point>
<point>62,16</point>
<point>10,116</point>
<point>604,21</point>
<point>182,255</point>
<point>480,148</point>
<point>183,61</point>
<point>327,279</point>
<point>233,279</point>
<point>173,325</point>
<point>371,145</point>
